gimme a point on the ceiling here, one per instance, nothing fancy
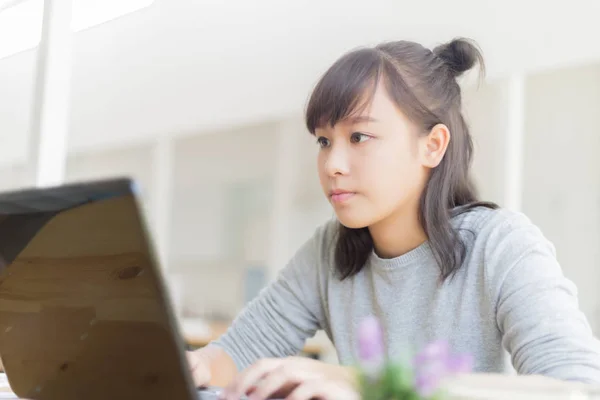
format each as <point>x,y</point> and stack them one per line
<point>189,66</point>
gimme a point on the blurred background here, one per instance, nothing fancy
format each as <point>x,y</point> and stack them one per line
<point>201,102</point>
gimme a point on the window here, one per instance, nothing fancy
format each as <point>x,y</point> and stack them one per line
<point>20,27</point>
<point>21,23</point>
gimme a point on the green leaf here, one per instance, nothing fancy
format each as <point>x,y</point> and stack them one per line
<point>395,382</point>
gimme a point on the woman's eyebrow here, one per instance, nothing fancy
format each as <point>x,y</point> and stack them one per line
<point>362,118</point>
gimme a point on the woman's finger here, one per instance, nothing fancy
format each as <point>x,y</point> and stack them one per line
<point>274,382</point>
<point>249,379</point>
<point>323,390</point>
<point>200,371</point>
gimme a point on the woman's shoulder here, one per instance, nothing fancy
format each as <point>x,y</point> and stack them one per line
<point>492,228</point>
<point>483,217</point>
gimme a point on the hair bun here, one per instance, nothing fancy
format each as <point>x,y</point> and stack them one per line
<point>460,55</point>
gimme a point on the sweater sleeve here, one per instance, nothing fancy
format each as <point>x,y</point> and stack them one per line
<point>537,308</point>
<point>286,313</point>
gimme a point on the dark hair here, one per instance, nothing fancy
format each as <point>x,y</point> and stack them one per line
<point>424,86</point>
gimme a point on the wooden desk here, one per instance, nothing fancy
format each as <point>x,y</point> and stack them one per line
<point>314,347</point>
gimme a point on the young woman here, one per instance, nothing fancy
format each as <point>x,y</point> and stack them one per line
<point>411,243</point>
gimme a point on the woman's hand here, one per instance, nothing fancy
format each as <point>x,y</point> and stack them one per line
<point>323,389</point>
<point>211,366</point>
<point>199,368</point>
<point>294,378</point>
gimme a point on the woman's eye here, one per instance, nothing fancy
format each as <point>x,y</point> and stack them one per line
<point>358,137</point>
<point>323,142</point>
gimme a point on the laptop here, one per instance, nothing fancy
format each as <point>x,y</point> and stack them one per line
<point>84,309</point>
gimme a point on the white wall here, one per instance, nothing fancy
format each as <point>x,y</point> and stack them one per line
<point>12,176</point>
<point>562,172</point>
<point>135,162</point>
<point>486,110</point>
<point>16,88</point>
<point>219,227</point>
<point>222,216</point>
<point>215,178</point>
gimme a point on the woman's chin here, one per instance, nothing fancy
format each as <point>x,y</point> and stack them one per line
<point>352,222</point>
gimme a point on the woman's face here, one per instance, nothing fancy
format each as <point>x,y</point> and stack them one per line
<point>371,165</point>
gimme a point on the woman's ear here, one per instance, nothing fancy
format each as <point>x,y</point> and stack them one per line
<point>434,145</point>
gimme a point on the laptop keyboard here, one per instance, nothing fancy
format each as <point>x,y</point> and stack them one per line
<point>212,393</point>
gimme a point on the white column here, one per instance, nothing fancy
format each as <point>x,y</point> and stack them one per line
<point>286,165</point>
<point>163,157</point>
<point>513,162</point>
<point>50,116</point>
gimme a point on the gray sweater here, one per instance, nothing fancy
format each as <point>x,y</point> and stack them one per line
<point>509,304</point>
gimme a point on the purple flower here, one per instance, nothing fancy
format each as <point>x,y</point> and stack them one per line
<point>460,364</point>
<point>437,350</point>
<point>434,363</point>
<point>370,341</point>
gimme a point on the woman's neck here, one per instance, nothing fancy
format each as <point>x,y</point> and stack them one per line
<point>399,233</point>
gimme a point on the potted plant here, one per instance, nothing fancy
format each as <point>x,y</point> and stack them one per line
<point>381,378</point>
